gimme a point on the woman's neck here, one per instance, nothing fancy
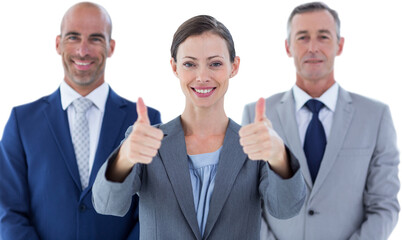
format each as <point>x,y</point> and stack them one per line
<point>204,122</point>
<point>204,129</point>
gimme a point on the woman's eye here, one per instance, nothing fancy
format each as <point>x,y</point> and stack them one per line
<point>216,64</point>
<point>188,64</point>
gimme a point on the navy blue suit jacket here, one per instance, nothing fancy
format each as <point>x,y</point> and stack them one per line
<point>40,189</point>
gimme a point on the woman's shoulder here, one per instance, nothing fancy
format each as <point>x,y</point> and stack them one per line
<point>234,126</point>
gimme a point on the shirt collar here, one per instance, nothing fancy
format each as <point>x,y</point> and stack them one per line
<point>329,97</point>
<point>98,96</point>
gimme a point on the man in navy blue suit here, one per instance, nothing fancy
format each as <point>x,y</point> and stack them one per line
<point>45,185</point>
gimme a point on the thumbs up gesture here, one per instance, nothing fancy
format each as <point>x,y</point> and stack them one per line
<point>139,147</point>
<point>261,142</point>
<point>143,142</point>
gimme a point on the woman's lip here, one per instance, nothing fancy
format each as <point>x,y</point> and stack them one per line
<point>203,91</point>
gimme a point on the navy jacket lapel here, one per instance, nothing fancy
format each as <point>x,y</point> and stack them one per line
<point>113,121</point>
<point>231,160</point>
<point>173,154</point>
<point>59,127</point>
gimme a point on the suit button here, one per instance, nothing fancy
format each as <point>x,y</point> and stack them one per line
<point>311,212</point>
<point>82,207</point>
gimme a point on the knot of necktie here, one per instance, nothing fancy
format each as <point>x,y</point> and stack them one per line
<point>82,104</point>
<point>314,105</point>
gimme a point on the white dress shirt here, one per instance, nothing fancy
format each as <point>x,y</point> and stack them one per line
<point>94,114</point>
<point>304,115</point>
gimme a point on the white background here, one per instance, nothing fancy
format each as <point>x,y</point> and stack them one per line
<point>143,30</point>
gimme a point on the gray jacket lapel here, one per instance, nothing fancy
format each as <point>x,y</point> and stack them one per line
<point>231,161</point>
<point>290,132</point>
<point>342,118</point>
<point>173,154</point>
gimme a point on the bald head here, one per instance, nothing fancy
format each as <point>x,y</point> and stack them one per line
<point>84,45</point>
<point>80,9</point>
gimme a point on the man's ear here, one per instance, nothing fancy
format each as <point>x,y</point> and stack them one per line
<point>58,39</point>
<point>112,44</point>
<point>340,46</point>
<point>287,46</point>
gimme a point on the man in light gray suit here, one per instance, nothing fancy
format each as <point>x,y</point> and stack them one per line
<point>352,185</point>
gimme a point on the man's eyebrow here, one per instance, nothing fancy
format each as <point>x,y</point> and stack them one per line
<point>302,32</point>
<point>319,31</point>
<point>98,35</point>
<point>324,31</point>
<point>72,33</point>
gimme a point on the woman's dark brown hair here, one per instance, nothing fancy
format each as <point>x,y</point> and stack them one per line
<point>198,25</point>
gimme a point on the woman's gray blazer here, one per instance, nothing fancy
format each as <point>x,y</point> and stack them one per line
<point>166,208</point>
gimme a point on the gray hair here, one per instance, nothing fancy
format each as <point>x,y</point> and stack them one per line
<point>312,7</point>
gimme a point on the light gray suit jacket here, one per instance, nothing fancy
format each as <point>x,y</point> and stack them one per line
<point>166,205</point>
<point>355,193</point>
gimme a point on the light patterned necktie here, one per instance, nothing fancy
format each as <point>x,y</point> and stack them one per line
<point>80,136</point>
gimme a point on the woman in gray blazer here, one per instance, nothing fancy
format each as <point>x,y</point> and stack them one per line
<point>201,176</point>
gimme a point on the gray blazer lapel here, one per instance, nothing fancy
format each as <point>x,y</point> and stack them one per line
<point>173,154</point>
<point>231,161</point>
<point>288,129</point>
<point>342,118</point>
